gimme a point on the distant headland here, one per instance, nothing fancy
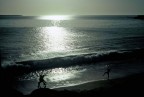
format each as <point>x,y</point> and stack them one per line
<point>16,17</point>
<point>139,17</point>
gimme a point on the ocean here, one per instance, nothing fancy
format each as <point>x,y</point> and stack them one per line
<point>70,50</point>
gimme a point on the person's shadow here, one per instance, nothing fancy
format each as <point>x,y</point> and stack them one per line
<point>41,80</point>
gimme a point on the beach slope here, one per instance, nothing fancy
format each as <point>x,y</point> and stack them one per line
<point>130,86</point>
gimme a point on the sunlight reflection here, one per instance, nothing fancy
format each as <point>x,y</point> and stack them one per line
<point>61,74</point>
<point>54,38</point>
<point>55,17</point>
<point>61,77</point>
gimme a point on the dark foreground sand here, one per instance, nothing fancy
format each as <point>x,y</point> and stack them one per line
<point>132,85</point>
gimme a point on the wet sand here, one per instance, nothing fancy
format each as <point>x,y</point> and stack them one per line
<point>127,86</point>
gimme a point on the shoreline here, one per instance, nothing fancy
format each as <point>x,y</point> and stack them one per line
<point>129,85</point>
<point>102,83</point>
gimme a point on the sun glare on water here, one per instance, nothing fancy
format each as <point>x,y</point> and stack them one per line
<point>54,38</point>
<point>55,17</point>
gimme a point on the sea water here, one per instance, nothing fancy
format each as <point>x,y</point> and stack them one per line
<point>71,51</point>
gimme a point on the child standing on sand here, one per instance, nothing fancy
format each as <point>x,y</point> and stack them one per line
<point>41,80</point>
<point>108,69</point>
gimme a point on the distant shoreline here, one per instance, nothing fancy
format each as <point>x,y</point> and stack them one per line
<point>76,16</point>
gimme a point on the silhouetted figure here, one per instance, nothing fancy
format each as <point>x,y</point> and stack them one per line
<point>41,80</point>
<point>108,69</point>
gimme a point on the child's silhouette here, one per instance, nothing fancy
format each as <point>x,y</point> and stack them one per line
<point>41,80</point>
<point>107,71</point>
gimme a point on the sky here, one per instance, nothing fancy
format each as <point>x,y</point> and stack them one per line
<point>71,7</point>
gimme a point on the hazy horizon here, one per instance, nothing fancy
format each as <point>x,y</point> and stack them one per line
<point>71,7</point>
<point>72,15</point>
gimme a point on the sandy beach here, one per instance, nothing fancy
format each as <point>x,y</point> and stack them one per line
<point>130,85</point>
<point>131,81</point>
